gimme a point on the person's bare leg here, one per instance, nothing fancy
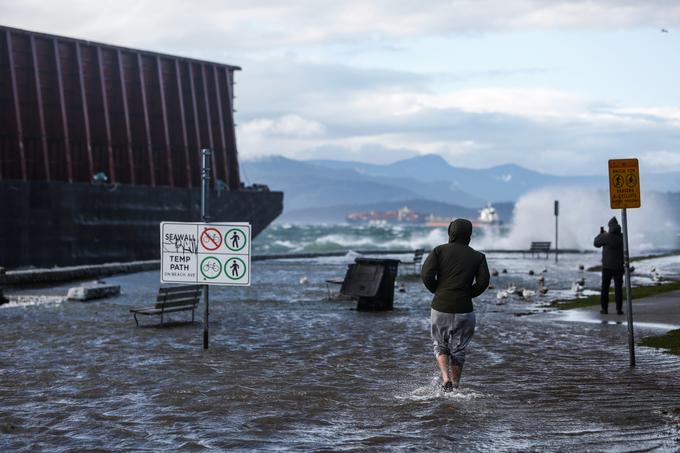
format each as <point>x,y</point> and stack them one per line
<point>443,362</point>
<point>456,371</point>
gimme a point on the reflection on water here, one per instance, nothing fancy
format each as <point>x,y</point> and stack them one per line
<point>290,370</point>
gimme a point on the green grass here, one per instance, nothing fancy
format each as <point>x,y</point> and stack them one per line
<point>638,293</point>
<point>669,341</point>
<point>411,277</point>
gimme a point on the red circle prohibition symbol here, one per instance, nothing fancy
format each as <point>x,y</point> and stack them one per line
<point>211,239</point>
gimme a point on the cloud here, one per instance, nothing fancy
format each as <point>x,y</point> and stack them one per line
<point>302,94</point>
<point>269,24</point>
<point>663,159</point>
<point>287,125</point>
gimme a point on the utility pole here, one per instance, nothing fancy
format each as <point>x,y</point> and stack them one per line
<point>557,214</point>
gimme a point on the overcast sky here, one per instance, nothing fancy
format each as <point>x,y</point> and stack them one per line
<point>554,86</point>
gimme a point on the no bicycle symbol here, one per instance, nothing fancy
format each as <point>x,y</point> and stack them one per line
<point>211,239</point>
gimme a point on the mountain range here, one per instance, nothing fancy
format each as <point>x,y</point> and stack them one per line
<point>326,190</point>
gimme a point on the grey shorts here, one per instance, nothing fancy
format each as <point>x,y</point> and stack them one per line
<point>451,333</point>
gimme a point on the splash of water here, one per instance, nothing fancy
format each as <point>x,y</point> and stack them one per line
<point>582,212</point>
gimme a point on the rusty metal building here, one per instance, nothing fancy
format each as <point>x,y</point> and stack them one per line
<point>71,108</point>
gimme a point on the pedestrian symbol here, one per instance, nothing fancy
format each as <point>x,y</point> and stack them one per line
<point>618,181</point>
<point>210,267</point>
<point>235,268</point>
<point>235,239</point>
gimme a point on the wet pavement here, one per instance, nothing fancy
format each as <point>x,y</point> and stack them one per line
<point>289,370</point>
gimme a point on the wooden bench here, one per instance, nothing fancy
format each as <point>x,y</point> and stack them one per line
<point>172,299</point>
<point>417,259</point>
<point>540,247</point>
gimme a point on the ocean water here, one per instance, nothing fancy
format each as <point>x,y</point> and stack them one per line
<point>289,369</point>
<point>299,238</point>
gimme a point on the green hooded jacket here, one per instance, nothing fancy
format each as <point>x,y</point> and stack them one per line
<point>455,272</point>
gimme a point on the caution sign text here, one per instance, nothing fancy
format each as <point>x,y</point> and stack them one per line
<point>624,183</point>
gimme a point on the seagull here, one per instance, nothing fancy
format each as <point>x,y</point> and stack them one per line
<point>501,294</point>
<point>511,289</point>
<point>544,271</point>
<point>304,280</point>
<point>542,290</point>
<point>581,281</point>
<point>663,30</point>
<point>575,287</point>
<point>527,293</point>
<point>494,273</point>
<point>541,280</point>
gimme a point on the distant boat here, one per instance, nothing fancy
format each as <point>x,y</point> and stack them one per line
<point>488,217</point>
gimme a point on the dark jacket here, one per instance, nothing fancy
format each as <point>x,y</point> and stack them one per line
<point>612,246</point>
<point>455,272</point>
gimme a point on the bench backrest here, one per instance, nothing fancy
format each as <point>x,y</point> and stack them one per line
<point>540,245</point>
<point>175,296</point>
<point>418,256</point>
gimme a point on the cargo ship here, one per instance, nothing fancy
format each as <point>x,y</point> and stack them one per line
<point>380,218</point>
<point>100,143</point>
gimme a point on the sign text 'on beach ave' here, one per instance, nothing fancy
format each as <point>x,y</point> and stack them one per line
<point>212,254</point>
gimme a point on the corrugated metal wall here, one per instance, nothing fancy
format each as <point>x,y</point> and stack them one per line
<point>71,108</point>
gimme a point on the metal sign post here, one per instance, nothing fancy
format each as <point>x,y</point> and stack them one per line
<point>557,214</point>
<point>624,192</point>
<point>629,299</point>
<point>205,185</point>
<point>206,253</point>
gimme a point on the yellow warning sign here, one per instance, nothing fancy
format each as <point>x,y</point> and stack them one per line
<point>624,183</point>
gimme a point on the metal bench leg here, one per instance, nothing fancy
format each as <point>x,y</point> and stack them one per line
<point>161,319</point>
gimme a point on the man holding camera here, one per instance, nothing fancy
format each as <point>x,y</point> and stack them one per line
<point>612,264</point>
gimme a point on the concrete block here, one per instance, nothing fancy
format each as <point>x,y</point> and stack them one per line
<point>84,293</point>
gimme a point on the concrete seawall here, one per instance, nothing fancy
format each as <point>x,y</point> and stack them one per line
<point>41,276</point>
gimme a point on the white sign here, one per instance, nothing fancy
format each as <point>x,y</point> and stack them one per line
<point>208,253</point>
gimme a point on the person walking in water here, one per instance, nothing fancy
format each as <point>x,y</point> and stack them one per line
<point>455,273</point>
<point>612,264</point>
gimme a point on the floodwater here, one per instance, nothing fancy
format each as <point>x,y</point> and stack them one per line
<point>289,370</point>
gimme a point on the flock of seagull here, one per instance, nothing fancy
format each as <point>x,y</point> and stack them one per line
<point>503,295</point>
<point>577,286</point>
